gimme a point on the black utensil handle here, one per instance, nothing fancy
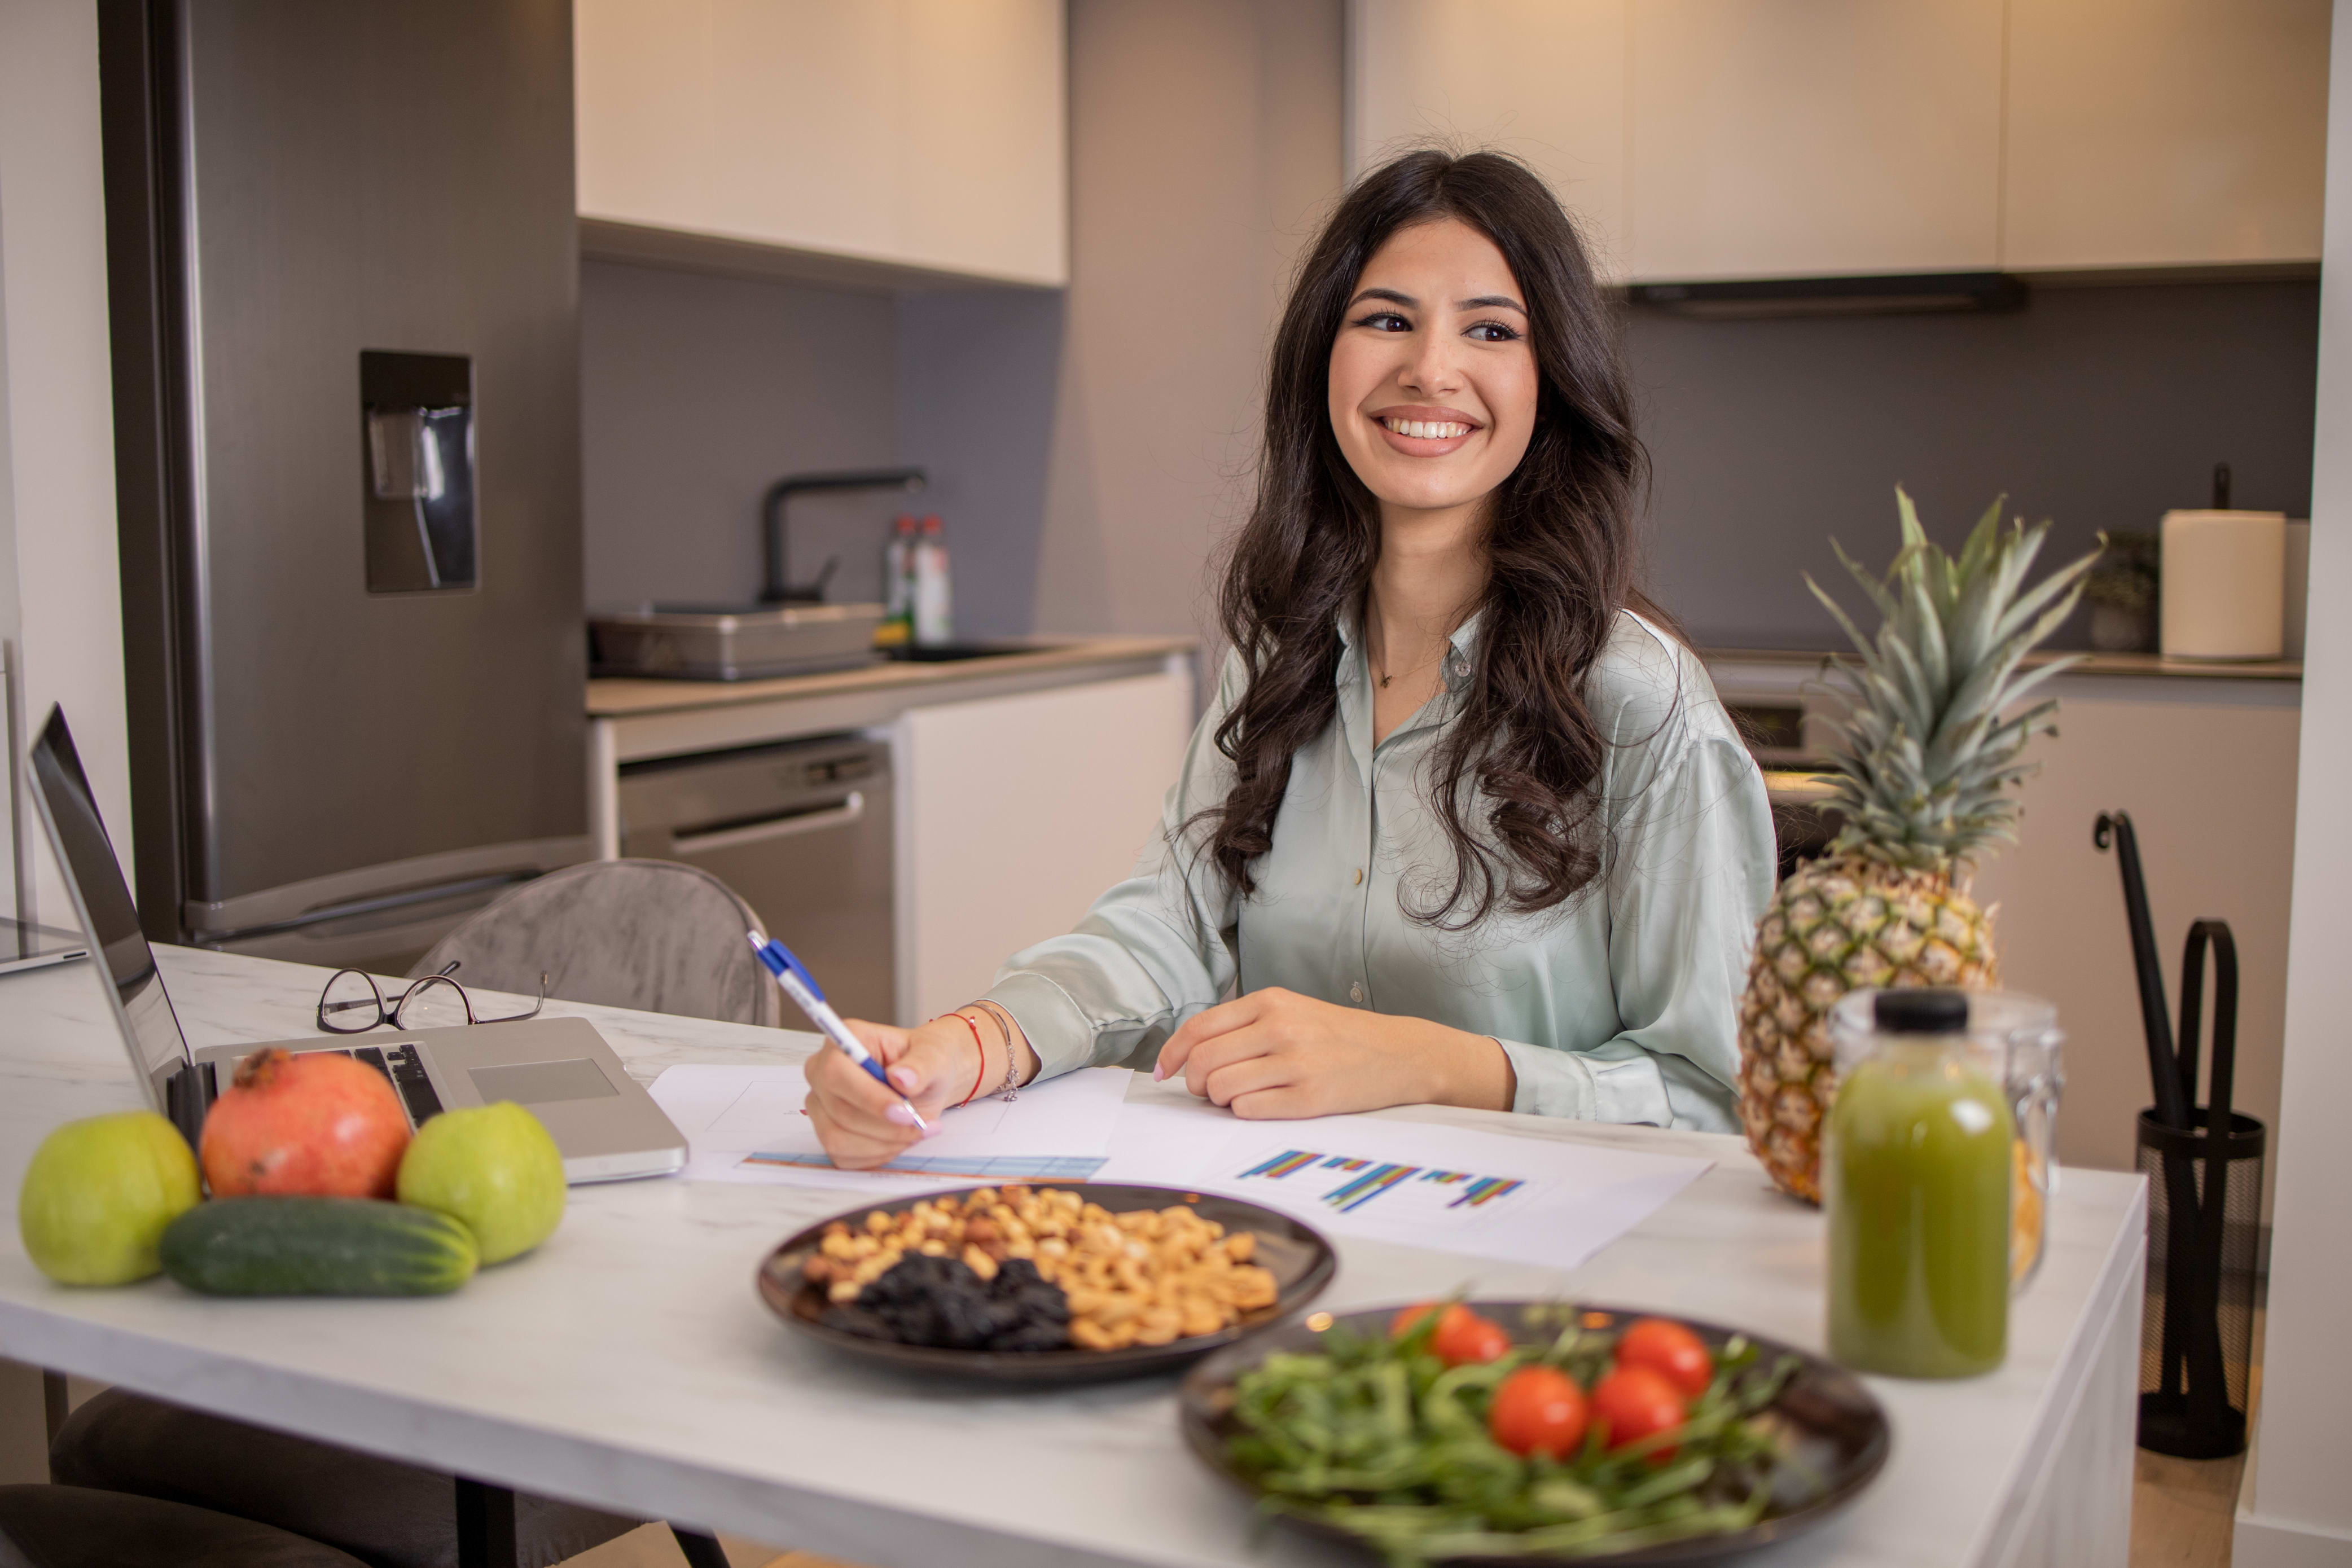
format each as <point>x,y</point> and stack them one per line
<point>2221,1079</point>
<point>2172,1106</point>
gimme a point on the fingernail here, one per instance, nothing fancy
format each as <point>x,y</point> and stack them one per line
<point>1159,1071</point>
<point>904,1077</point>
<point>902,1114</point>
<point>934,1129</point>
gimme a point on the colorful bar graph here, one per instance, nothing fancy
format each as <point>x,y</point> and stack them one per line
<point>1368,1180</point>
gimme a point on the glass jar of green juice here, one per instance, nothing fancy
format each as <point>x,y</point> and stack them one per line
<point>1936,1164</point>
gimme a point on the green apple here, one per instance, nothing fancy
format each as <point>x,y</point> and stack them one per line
<point>99,1192</point>
<point>495,1168</point>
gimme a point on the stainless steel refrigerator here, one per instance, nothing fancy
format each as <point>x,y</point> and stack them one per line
<point>344,283</point>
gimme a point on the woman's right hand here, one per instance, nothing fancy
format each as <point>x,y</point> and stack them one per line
<point>863,1124</point>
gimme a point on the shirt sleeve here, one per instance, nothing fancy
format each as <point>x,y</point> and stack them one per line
<point>1151,952</point>
<point>1692,866</point>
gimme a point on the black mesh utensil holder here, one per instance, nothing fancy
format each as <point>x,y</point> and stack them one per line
<point>2196,1334</point>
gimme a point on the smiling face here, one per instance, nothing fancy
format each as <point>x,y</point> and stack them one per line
<point>1433,385</point>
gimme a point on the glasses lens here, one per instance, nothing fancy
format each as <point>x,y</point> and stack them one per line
<point>349,1003</point>
<point>432,1004</point>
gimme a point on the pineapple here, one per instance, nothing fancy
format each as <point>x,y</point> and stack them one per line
<point>1923,759</point>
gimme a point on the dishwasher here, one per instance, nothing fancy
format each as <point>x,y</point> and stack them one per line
<point>802,830</point>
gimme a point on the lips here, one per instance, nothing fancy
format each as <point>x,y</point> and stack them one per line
<point>1425,432</point>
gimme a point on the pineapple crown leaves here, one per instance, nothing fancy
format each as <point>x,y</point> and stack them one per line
<point>1925,756</point>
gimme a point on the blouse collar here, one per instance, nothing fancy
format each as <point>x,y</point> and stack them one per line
<point>1461,658</point>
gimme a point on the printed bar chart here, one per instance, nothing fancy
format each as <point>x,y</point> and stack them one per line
<point>1367,1180</point>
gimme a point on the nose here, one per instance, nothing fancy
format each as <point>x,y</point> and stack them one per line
<point>1432,369</point>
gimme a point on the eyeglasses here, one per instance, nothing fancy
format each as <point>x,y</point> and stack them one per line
<point>351,1004</point>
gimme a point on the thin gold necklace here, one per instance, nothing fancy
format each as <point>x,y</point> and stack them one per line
<point>1386,680</point>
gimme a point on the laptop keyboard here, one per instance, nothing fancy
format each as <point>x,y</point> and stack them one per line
<point>400,1064</point>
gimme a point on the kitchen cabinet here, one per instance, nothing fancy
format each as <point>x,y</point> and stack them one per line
<point>1741,139</point>
<point>1541,78</point>
<point>1016,813</point>
<point>2164,132</point>
<point>914,137</point>
<point>1833,137</point>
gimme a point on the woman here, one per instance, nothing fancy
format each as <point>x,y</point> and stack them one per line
<point>1462,825</point>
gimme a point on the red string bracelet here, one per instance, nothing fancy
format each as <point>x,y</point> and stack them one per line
<point>982,1070</point>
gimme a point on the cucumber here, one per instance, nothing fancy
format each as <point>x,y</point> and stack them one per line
<point>317,1247</point>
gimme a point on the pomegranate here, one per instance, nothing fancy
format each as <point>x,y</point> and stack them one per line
<point>314,1124</point>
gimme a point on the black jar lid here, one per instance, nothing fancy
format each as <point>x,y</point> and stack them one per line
<point>1924,1010</point>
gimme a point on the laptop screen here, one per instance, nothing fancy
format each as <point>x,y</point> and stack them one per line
<point>109,917</point>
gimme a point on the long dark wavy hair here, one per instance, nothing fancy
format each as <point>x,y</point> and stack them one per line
<point>1525,751</point>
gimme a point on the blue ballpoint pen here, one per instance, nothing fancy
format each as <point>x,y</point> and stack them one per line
<point>801,986</point>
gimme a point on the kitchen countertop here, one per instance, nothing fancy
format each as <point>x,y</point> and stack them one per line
<point>628,1362</point>
<point>620,697</point>
<point>2092,664</point>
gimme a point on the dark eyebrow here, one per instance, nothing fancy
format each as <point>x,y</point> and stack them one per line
<point>1391,295</point>
<point>1484,301</point>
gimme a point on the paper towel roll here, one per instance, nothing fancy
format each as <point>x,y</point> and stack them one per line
<point>2224,584</point>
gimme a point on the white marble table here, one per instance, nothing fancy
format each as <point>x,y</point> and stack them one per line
<point>628,1363</point>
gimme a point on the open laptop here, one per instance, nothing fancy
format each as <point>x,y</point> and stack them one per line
<point>606,1124</point>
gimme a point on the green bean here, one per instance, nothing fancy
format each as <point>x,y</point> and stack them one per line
<point>1379,1439</point>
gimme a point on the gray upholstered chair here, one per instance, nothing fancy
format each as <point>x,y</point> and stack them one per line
<point>74,1527</point>
<point>651,934</point>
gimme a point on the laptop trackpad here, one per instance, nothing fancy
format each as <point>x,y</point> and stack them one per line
<point>538,1082</point>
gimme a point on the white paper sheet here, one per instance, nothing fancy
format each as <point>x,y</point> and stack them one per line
<point>1533,1200</point>
<point>745,1123</point>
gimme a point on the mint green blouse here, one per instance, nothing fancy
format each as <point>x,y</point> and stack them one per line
<point>1616,1006</point>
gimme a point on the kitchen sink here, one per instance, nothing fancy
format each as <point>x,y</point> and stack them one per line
<point>948,652</point>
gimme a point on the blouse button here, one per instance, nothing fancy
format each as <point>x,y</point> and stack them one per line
<point>1356,993</point>
<point>1360,876</point>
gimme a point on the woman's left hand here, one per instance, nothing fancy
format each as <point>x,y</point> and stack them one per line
<point>1273,1054</point>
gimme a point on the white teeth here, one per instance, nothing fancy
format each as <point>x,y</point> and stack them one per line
<point>1427,428</point>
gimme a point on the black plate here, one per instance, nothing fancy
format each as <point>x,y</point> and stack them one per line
<point>1300,1259</point>
<point>1827,1421</point>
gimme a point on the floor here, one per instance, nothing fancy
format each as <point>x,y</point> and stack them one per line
<point>2182,1511</point>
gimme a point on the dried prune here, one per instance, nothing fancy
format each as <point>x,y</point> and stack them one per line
<point>931,1301</point>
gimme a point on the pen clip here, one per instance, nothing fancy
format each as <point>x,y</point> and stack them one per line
<point>779,958</point>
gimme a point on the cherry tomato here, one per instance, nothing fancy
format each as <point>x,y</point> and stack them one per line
<point>1632,1403</point>
<point>1461,1336</point>
<point>1539,1410</point>
<point>1401,1325</point>
<point>1671,1351</point>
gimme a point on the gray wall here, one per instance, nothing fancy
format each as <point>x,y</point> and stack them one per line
<point>697,391</point>
<point>1204,145</point>
<point>979,374</point>
<point>2098,408</point>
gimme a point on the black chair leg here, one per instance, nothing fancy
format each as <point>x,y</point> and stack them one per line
<point>701,1551</point>
<point>53,1405</point>
<point>486,1526</point>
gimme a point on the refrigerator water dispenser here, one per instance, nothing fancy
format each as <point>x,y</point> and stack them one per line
<point>419,414</point>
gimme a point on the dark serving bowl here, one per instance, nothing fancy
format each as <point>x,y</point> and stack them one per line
<point>1300,1259</point>
<point>1832,1430</point>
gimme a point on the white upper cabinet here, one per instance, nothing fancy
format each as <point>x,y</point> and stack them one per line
<point>1815,137</point>
<point>2164,132</point>
<point>1542,78</point>
<point>1741,139</point>
<point>917,134</point>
